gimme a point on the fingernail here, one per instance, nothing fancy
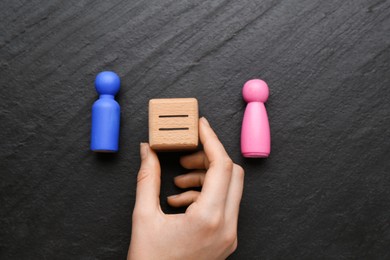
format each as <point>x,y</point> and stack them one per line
<point>204,120</point>
<point>143,148</point>
<point>173,196</point>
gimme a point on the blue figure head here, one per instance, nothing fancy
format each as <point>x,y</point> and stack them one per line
<point>107,83</point>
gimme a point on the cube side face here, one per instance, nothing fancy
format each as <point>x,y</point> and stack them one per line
<point>173,124</point>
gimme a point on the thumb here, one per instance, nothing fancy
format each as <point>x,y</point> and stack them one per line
<point>148,180</point>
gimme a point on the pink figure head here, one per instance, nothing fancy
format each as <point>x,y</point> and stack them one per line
<point>255,90</point>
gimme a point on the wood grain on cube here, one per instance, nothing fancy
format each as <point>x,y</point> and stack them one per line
<point>173,124</point>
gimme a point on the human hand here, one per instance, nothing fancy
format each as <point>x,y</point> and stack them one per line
<point>208,228</point>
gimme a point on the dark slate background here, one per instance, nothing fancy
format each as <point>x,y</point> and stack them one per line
<point>323,193</point>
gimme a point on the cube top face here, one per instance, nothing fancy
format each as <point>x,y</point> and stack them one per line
<point>173,124</point>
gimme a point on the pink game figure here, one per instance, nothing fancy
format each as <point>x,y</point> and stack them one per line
<point>255,132</point>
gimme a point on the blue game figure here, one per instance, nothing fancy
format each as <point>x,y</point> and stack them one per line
<point>106,114</point>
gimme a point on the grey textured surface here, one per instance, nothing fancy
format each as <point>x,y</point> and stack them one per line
<point>323,193</point>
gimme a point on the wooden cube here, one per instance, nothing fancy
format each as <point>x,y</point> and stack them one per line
<point>173,124</point>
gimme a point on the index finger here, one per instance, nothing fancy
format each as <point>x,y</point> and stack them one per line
<point>217,179</point>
